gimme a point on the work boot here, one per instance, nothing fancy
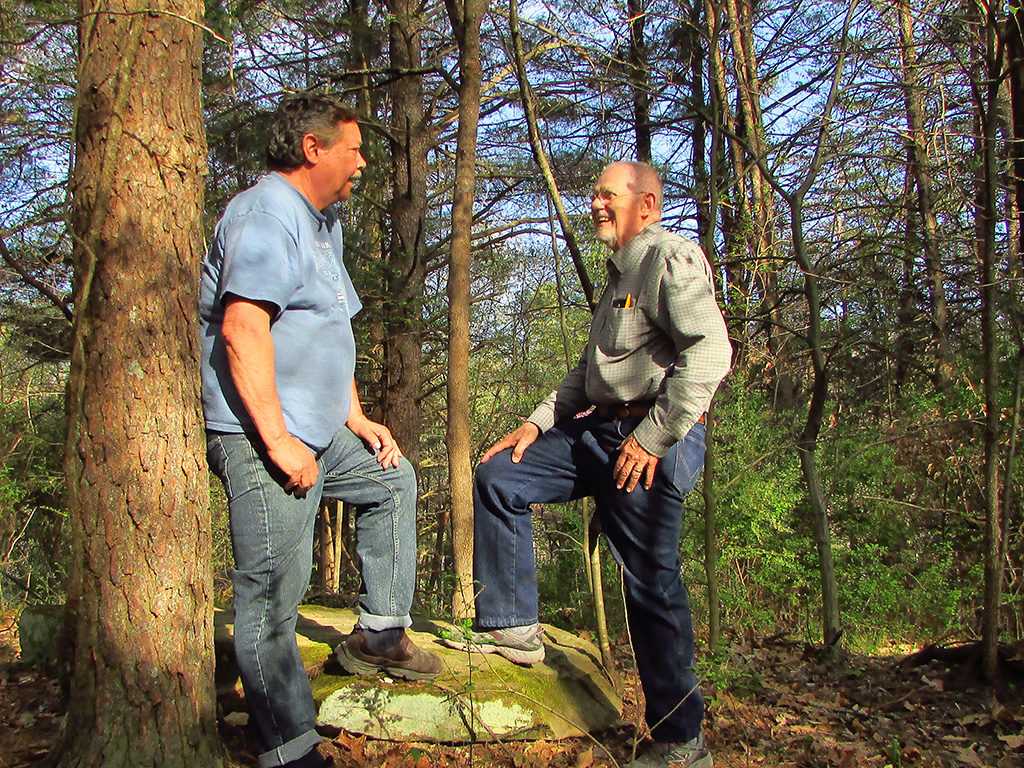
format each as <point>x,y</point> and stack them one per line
<point>520,645</point>
<point>366,652</point>
<point>676,754</point>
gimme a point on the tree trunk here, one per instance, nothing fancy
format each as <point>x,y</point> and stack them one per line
<point>921,170</point>
<point>541,158</point>
<point>364,40</point>
<point>907,334</point>
<point>441,520</point>
<point>592,558</point>
<point>705,116</point>
<point>636,16</point>
<point>711,538</point>
<point>807,443</point>
<point>465,16</point>
<point>1015,63</point>
<point>755,204</point>
<point>140,608</point>
<point>406,269</point>
<point>990,62</point>
<point>328,547</point>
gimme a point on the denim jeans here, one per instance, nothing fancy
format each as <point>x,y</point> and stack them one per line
<point>573,459</point>
<point>272,542</point>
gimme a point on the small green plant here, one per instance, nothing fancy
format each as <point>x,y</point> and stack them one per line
<point>894,754</point>
<point>723,674</point>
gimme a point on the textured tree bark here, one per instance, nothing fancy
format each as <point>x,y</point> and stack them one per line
<point>465,17</point>
<point>409,140</point>
<point>729,179</point>
<point>369,210</point>
<point>140,609</point>
<point>706,116</point>
<point>748,90</point>
<point>705,120</point>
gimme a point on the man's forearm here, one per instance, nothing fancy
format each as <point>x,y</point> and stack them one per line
<point>250,355</point>
<point>355,408</point>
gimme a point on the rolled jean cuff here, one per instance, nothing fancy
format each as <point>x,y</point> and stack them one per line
<point>290,750</point>
<point>380,623</point>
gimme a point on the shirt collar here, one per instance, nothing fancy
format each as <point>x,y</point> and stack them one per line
<point>325,218</point>
<point>629,257</point>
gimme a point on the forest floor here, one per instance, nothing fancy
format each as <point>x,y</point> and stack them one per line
<point>770,703</point>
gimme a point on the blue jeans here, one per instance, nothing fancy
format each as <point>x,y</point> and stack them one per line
<point>272,542</point>
<point>574,459</point>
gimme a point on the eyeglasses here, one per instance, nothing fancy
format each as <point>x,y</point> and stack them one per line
<point>606,195</point>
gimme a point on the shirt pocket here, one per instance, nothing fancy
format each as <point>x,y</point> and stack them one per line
<point>623,330</point>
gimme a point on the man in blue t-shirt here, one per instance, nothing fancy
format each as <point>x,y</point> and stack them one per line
<point>285,426</point>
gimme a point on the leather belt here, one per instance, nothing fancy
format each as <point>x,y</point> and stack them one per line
<point>624,410</point>
<point>631,411</point>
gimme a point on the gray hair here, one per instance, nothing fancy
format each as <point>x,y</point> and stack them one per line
<point>644,179</point>
<point>298,115</point>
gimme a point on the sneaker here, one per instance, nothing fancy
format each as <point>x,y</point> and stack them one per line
<point>520,645</point>
<point>675,754</point>
<point>360,655</point>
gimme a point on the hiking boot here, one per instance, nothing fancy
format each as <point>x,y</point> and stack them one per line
<point>675,754</point>
<point>391,652</point>
<point>520,645</point>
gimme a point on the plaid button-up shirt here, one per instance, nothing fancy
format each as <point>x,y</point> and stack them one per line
<point>657,335</point>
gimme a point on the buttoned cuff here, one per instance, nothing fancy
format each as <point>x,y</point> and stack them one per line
<point>652,438</point>
<point>543,416</point>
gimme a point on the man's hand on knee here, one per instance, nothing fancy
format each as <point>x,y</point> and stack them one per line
<point>518,440</point>
<point>378,438</point>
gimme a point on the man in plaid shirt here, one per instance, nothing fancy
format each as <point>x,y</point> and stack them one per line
<point>657,351</point>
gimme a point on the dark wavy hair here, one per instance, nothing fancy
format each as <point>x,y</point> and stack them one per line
<point>297,115</point>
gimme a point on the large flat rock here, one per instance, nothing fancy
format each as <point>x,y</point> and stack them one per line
<point>476,697</point>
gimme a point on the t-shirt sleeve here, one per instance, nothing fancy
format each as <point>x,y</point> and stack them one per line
<point>259,260</point>
<point>351,297</point>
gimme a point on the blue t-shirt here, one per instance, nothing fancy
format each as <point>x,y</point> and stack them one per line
<point>272,245</point>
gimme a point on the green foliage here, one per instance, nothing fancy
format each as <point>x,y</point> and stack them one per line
<point>903,555</point>
<point>223,562</point>
<point>766,579</point>
<point>33,552</point>
<point>563,586</point>
<point>719,672</point>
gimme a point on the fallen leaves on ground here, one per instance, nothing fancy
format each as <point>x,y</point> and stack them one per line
<point>771,704</point>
